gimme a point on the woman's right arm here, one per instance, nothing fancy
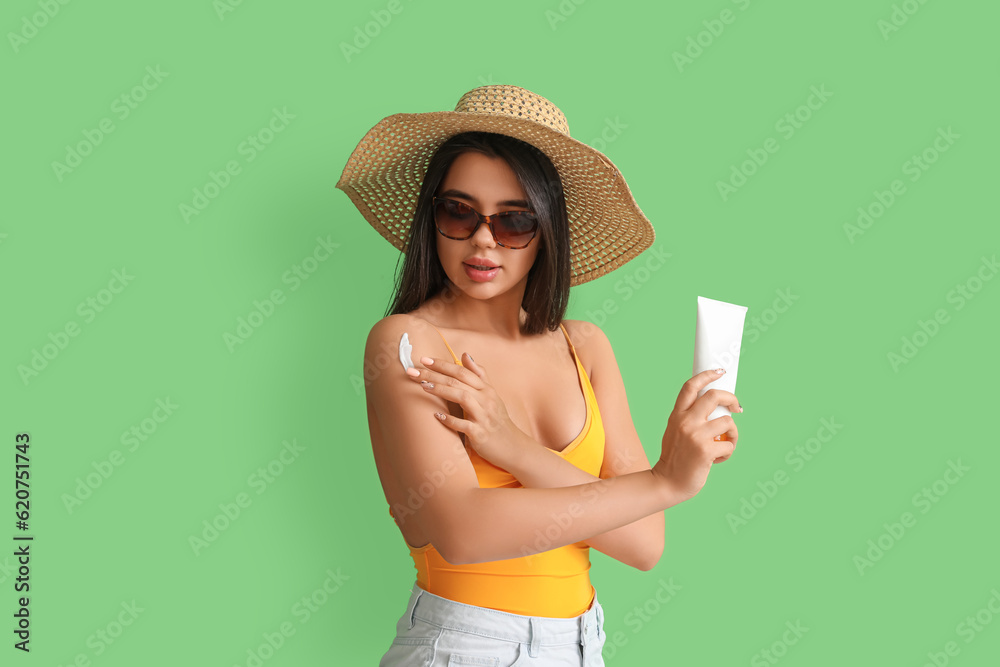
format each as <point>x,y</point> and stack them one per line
<point>467,524</point>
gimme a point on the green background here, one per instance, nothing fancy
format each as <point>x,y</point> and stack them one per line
<point>681,130</point>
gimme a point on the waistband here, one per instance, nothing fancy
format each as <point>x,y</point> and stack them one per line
<point>535,631</point>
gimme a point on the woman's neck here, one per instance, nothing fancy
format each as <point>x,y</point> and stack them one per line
<point>501,315</point>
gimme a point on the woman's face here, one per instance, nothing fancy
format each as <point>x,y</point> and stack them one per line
<point>488,185</point>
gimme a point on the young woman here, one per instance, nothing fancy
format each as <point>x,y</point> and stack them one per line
<point>502,471</point>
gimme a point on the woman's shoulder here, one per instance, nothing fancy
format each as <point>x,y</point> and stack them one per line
<point>391,328</point>
<point>391,324</point>
<point>386,335</point>
<point>590,342</point>
<point>383,330</point>
<point>585,333</point>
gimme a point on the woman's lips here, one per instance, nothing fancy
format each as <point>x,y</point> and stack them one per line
<point>480,275</point>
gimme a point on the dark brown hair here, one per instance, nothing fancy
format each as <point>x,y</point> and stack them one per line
<point>547,292</point>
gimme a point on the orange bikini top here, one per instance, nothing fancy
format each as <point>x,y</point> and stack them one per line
<point>554,583</point>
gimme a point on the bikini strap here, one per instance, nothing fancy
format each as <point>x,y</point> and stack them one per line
<point>454,356</point>
<point>568,339</point>
<point>572,349</point>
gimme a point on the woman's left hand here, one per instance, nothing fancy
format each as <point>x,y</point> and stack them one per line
<point>487,427</point>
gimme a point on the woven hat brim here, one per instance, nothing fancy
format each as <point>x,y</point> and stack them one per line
<point>384,173</point>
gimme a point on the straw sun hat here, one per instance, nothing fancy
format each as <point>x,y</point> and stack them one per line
<point>385,171</point>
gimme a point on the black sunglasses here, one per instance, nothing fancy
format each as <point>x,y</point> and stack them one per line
<point>459,221</point>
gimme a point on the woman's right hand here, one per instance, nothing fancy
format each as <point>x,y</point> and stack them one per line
<point>689,447</point>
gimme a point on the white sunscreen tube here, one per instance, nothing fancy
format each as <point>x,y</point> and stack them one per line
<point>718,335</point>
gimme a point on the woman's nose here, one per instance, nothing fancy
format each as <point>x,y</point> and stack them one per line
<point>484,236</point>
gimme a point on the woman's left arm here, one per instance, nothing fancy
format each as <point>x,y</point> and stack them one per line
<point>639,544</point>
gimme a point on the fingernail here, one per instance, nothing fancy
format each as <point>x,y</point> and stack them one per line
<point>470,357</point>
<point>741,408</point>
<point>426,361</point>
<point>426,384</point>
<point>720,371</point>
<point>413,372</point>
<point>439,415</point>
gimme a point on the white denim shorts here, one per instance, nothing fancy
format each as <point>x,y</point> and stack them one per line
<point>437,631</point>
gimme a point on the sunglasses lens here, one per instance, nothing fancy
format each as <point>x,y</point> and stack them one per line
<point>454,218</point>
<point>516,229</point>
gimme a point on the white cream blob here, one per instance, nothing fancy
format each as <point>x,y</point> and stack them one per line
<point>404,352</point>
